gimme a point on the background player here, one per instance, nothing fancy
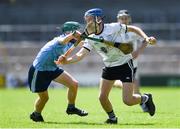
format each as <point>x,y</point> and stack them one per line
<point>44,70</point>
<point>124,17</point>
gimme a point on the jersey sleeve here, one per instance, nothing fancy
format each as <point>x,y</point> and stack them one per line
<point>117,27</point>
<point>87,45</point>
<point>60,38</point>
<point>138,37</point>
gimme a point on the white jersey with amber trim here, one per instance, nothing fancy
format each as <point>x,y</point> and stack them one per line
<point>111,56</point>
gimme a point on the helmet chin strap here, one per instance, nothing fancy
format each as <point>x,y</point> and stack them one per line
<point>93,26</point>
<point>97,22</point>
<point>95,19</point>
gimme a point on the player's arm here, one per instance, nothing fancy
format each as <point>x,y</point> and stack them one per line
<point>140,49</point>
<point>75,58</point>
<point>72,37</point>
<point>137,30</point>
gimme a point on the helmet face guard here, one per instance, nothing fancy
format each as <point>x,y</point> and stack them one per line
<point>70,26</point>
<point>97,15</point>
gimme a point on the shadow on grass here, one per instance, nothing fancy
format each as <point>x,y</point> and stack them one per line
<point>74,123</point>
<point>89,123</point>
<point>142,124</point>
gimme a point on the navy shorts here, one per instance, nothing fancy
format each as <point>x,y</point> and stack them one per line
<point>39,81</point>
<point>124,72</point>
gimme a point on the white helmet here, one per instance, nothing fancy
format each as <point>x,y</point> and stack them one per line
<point>124,13</point>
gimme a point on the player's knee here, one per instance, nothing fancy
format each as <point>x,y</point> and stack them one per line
<point>128,101</point>
<point>74,85</point>
<point>102,97</point>
<point>44,98</point>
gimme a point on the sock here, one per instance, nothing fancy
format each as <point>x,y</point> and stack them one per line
<point>144,99</point>
<point>71,106</point>
<point>37,113</point>
<point>111,115</point>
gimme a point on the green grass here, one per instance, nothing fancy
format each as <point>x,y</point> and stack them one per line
<point>17,104</point>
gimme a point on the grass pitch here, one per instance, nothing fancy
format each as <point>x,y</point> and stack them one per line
<point>17,104</point>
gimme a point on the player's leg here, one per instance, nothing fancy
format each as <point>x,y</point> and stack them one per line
<point>67,80</point>
<point>129,98</point>
<point>72,84</point>
<point>132,99</point>
<point>39,105</point>
<point>41,101</point>
<point>127,77</point>
<point>38,83</point>
<point>137,89</point>
<point>136,82</point>
<point>105,88</point>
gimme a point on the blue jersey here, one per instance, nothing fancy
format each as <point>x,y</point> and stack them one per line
<point>44,61</point>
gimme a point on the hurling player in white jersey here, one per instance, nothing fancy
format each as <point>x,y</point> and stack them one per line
<point>118,66</point>
<point>124,17</point>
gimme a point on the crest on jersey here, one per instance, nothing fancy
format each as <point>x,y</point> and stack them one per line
<point>103,49</point>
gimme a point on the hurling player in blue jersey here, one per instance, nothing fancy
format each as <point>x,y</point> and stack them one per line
<point>44,70</point>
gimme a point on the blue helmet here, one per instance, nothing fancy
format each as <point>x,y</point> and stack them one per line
<point>94,12</point>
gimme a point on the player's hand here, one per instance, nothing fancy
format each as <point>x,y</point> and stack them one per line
<point>151,40</point>
<point>76,34</point>
<point>61,60</point>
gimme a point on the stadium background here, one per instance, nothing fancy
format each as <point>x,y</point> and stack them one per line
<point>26,25</point>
